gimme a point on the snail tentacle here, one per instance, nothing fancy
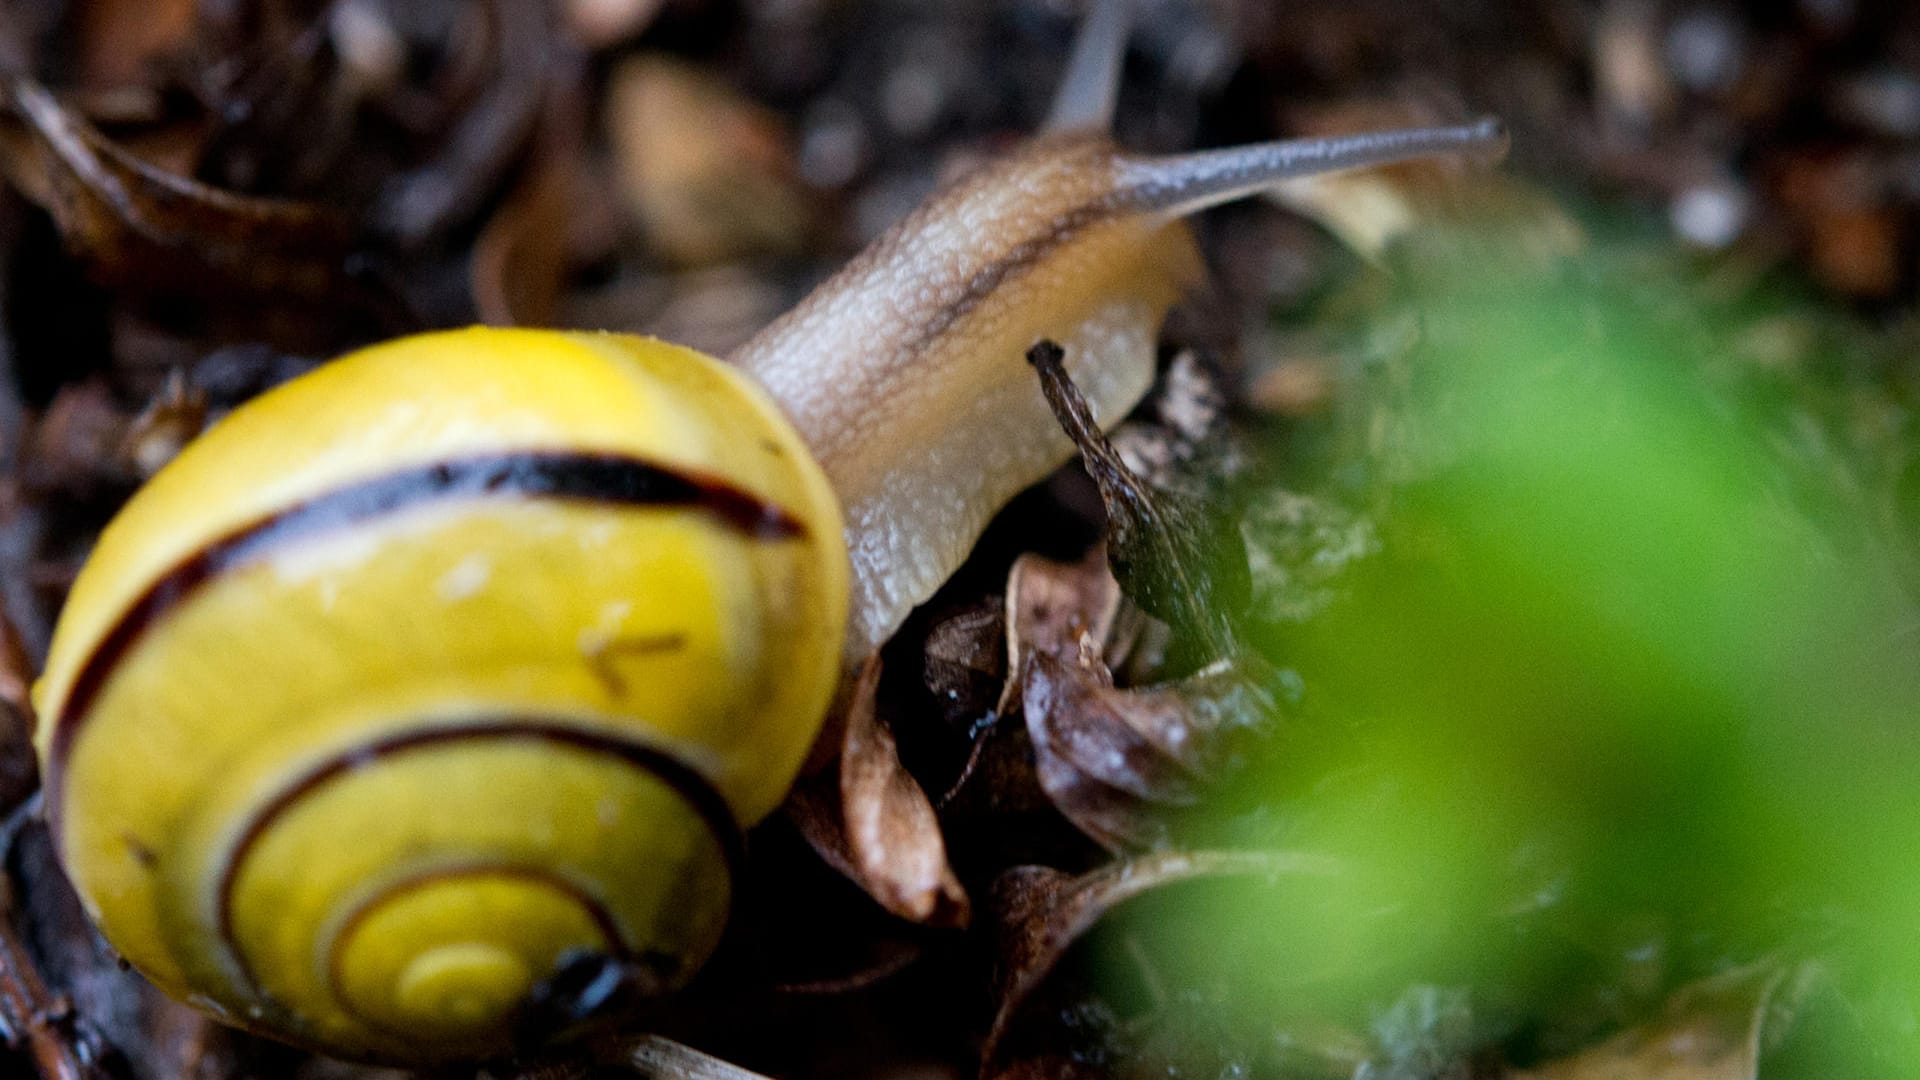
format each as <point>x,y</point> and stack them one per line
<point>1090,88</point>
<point>1183,184</point>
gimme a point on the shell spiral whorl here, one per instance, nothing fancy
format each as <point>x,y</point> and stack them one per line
<point>462,654</point>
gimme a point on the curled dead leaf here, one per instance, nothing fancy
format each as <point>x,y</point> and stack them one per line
<point>134,223</point>
<point>1118,763</point>
<point>1121,763</point>
<point>871,821</point>
<point>1041,912</point>
<point>891,829</point>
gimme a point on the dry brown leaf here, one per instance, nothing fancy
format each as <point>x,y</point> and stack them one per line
<point>1052,607</point>
<point>1164,747</point>
<point>891,829</point>
<point>1120,763</point>
<point>1041,912</point>
<point>1709,1030</point>
<point>870,820</point>
<point>708,175</point>
<point>1117,763</point>
<point>134,223</point>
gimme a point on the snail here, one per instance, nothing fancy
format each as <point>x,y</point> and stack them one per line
<point>475,651</point>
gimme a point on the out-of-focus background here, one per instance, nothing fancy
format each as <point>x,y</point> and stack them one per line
<point>1573,727</point>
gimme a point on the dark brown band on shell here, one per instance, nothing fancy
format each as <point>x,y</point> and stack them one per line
<point>694,789</point>
<point>596,478</point>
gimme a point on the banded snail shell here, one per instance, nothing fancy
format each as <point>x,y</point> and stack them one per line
<point>435,666</point>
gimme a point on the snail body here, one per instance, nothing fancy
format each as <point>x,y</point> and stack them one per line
<point>475,651</point>
<point>905,371</point>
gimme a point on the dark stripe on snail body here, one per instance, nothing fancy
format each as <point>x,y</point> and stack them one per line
<point>531,474</point>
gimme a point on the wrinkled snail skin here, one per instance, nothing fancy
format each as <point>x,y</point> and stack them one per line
<point>929,421</point>
<point>413,676</point>
<point>905,371</point>
<point>475,651</point>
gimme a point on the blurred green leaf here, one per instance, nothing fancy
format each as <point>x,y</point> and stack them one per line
<point>1628,656</point>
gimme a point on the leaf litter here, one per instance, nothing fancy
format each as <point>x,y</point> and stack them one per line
<point>1053,743</point>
